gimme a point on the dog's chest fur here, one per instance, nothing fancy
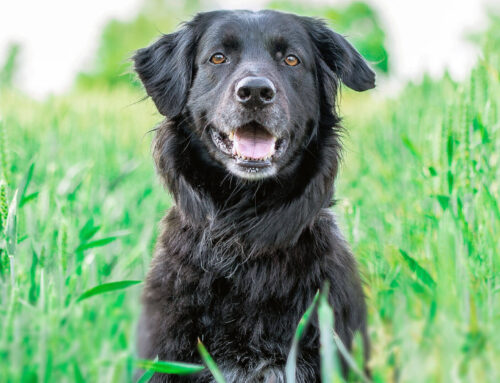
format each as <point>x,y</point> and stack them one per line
<point>245,318</point>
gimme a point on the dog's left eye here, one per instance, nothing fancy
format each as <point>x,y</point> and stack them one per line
<point>218,58</point>
<point>292,60</point>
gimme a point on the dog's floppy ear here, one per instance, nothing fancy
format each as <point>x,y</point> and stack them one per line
<point>340,56</point>
<point>166,69</point>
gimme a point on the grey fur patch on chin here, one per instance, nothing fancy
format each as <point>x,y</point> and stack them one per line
<point>252,175</point>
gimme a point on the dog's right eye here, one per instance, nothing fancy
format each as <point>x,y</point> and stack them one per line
<point>292,60</point>
<point>218,58</point>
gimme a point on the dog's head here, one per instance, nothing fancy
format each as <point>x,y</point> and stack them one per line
<point>255,84</point>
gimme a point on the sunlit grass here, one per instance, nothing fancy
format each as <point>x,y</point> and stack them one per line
<point>92,221</point>
<point>418,198</point>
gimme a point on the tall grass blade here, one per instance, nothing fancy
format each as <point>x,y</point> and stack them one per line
<point>411,147</point>
<point>88,230</point>
<point>349,358</point>
<point>444,201</point>
<point>164,367</point>
<point>97,243</point>
<point>450,149</point>
<point>11,226</point>
<point>330,369</point>
<point>146,377</point>
<point>210,363</point>
<point>148,374</point>
<point>23,187</point>
<point>29,197</point>
<point>493,200</point>
<point>477,123</point>
<point>33,291</point>
<point>106,288</point>
<point>291,363</point>
<point>78,373</point>
<point>450,178</point>
<point>421,274</point>
<point>48,368</point>
<point>10,66</point>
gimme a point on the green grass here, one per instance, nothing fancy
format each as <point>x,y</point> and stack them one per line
<point>92,221</point>
<point>418,199</point>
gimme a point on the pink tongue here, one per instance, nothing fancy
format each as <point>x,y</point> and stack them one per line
<point>253,142</point>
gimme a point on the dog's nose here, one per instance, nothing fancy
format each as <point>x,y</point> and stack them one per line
<point>255,91</point>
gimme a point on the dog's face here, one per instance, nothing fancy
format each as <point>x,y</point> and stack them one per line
<point>252,83</point>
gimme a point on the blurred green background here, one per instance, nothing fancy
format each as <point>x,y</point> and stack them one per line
<point>120,38</point>
<point>418,199</point>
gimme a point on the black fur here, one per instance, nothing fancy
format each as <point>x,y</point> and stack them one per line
<point>239,260</point>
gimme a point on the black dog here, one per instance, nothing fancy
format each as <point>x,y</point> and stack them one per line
<point>250,150</point>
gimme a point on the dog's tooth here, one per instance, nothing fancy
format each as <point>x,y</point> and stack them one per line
<point>231,135</point>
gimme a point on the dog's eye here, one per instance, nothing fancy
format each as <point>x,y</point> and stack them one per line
<point>292,60</point>
<point>218,58</point>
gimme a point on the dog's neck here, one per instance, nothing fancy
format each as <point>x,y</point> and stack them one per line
<point>249,213</point>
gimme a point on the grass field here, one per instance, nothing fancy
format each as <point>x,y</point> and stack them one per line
<point>418,199</point>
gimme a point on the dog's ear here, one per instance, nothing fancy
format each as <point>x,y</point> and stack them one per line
<point>340,56</point>
<point>166,69</point>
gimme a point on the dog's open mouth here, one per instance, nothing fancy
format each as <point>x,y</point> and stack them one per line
<point>251,145</point>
